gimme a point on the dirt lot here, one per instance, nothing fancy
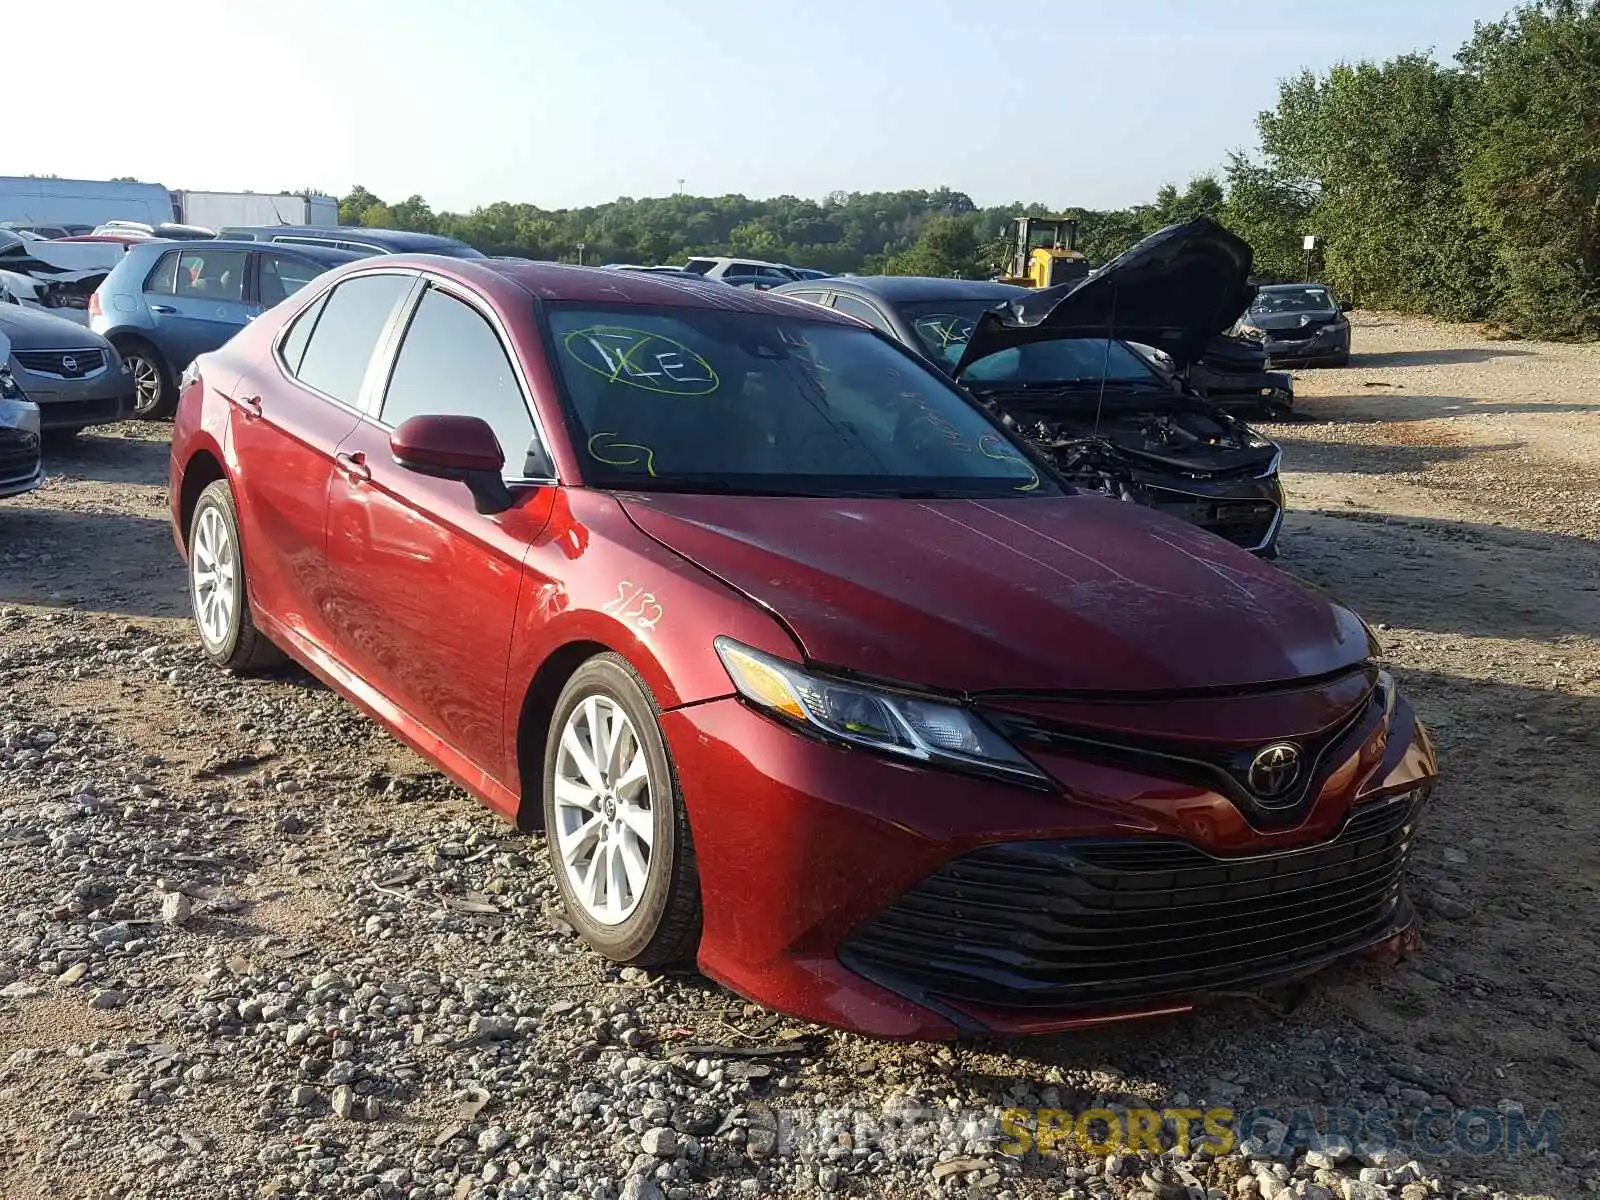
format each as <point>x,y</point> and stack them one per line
<point>249,946</point>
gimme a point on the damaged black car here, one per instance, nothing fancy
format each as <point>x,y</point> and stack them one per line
<point>1069,368</point>
<point>1298,324</point>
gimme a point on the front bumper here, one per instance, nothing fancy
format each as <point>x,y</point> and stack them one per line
<point>21,468</point>
<point>71,410</point>
<point>1307,353</point>
<point>907,903</point>
<point>1246,512</point>
<point>67,403</point>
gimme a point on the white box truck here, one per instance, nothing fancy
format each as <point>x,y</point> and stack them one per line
<point>53,206</point>
<point>214,210</point>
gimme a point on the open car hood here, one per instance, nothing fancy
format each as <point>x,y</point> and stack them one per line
<point>1174,290</point>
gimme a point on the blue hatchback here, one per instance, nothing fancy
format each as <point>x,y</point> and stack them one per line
<point>167,302</point>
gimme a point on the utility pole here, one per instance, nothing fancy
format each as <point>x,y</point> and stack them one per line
<point>680,187</point>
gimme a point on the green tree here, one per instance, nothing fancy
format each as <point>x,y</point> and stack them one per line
<point>351,207</point>
<point>947,245</point>
<point>1531,167</point>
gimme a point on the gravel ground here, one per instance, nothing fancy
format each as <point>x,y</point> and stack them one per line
<point>250,946</point>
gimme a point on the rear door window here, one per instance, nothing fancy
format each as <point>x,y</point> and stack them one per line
<point>452,363</point>
<point>211,275</point>
<point>861,311</point>
<point>282,276</point>
<point>340,348</point>
<point>293,346</point>
<point>163,279</point>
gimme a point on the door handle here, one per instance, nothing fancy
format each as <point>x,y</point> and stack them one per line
<point>165,310</point>
<point>250,404</point>
<point>354,467</point>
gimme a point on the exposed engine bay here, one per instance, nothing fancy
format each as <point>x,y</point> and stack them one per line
<point>1164,450</point>
<point>1170,434</point>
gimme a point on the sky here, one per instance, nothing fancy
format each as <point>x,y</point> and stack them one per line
<point>569,102</point>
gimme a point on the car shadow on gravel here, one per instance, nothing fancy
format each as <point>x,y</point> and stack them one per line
<point>108,455</point>
<point>1367,458</point>
<point>1443,356</point>
<point>1449,577</point>
<point>90,561</point>
<point>1383,406</point>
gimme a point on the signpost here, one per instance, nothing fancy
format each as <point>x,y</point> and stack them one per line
<point>1310,244</point>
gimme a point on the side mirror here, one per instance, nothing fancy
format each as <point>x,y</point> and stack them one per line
<point>1345,306</point>
<point>455,447</point>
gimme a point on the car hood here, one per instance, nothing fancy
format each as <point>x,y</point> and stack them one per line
<point>31,329</point>
<point>1292,320</point>
<point>1174,291</point>
<point>1071,594</point>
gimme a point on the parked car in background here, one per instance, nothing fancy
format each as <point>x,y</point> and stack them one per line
<point>49,232</point>
<point>675,272</point>
<point>810,273</point>
<point>170,230</point>
<point>74,375</point>
<point>57,276</point>
<point>1299,324</point>
<point>717,266</point>
<point>21,464</point>
<point>760,283</point>
<point>167,302</point>
<point>357,239</point>
<point>1101,412</point>
<point>804,662</point>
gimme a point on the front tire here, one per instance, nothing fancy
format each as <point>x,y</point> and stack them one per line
<point>615,822</point>
<point>218,594</point>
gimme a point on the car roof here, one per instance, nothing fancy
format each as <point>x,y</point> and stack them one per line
<point>1291,287</point>
<point>560,282</point>
<point>400,239</point>
<point>331,255</point>
<point>734,258</point>
<point>910,288</point>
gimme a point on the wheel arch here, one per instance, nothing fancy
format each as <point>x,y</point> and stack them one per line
<point>533,718</point>
<point>202,470</point>
<point>128,335</point>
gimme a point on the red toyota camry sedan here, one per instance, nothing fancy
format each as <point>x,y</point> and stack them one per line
<point>805,665</point>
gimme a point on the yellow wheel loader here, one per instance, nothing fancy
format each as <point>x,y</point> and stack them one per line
<point>1044,253</point>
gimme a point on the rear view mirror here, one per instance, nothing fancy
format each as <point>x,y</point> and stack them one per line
<point>455,447</point>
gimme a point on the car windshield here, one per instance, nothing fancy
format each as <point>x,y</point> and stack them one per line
<point>943,329</point>
<point>1293,300</point>
<point>702,400</point>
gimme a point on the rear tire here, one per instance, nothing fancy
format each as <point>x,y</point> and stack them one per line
<point>615,822</point>
<point>219,596</point>
<point>155,395</point>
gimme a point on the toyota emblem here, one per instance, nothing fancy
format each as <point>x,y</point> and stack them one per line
<point>1274,770</point>
<point>69,364</point>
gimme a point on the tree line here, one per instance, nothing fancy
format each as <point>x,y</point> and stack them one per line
<point>1467,190</point>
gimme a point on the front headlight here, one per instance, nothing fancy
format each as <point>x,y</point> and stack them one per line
<point>906,726</point>
<point>9,388</point>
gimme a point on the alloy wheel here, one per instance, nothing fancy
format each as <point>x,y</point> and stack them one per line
<point>214,576</point>
<point>146,382</point>
<point>605,821</point>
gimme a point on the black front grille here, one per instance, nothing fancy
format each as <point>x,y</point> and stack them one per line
<point>67,364</point>
<point>1080,924</point>
<point>1246,523</point>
